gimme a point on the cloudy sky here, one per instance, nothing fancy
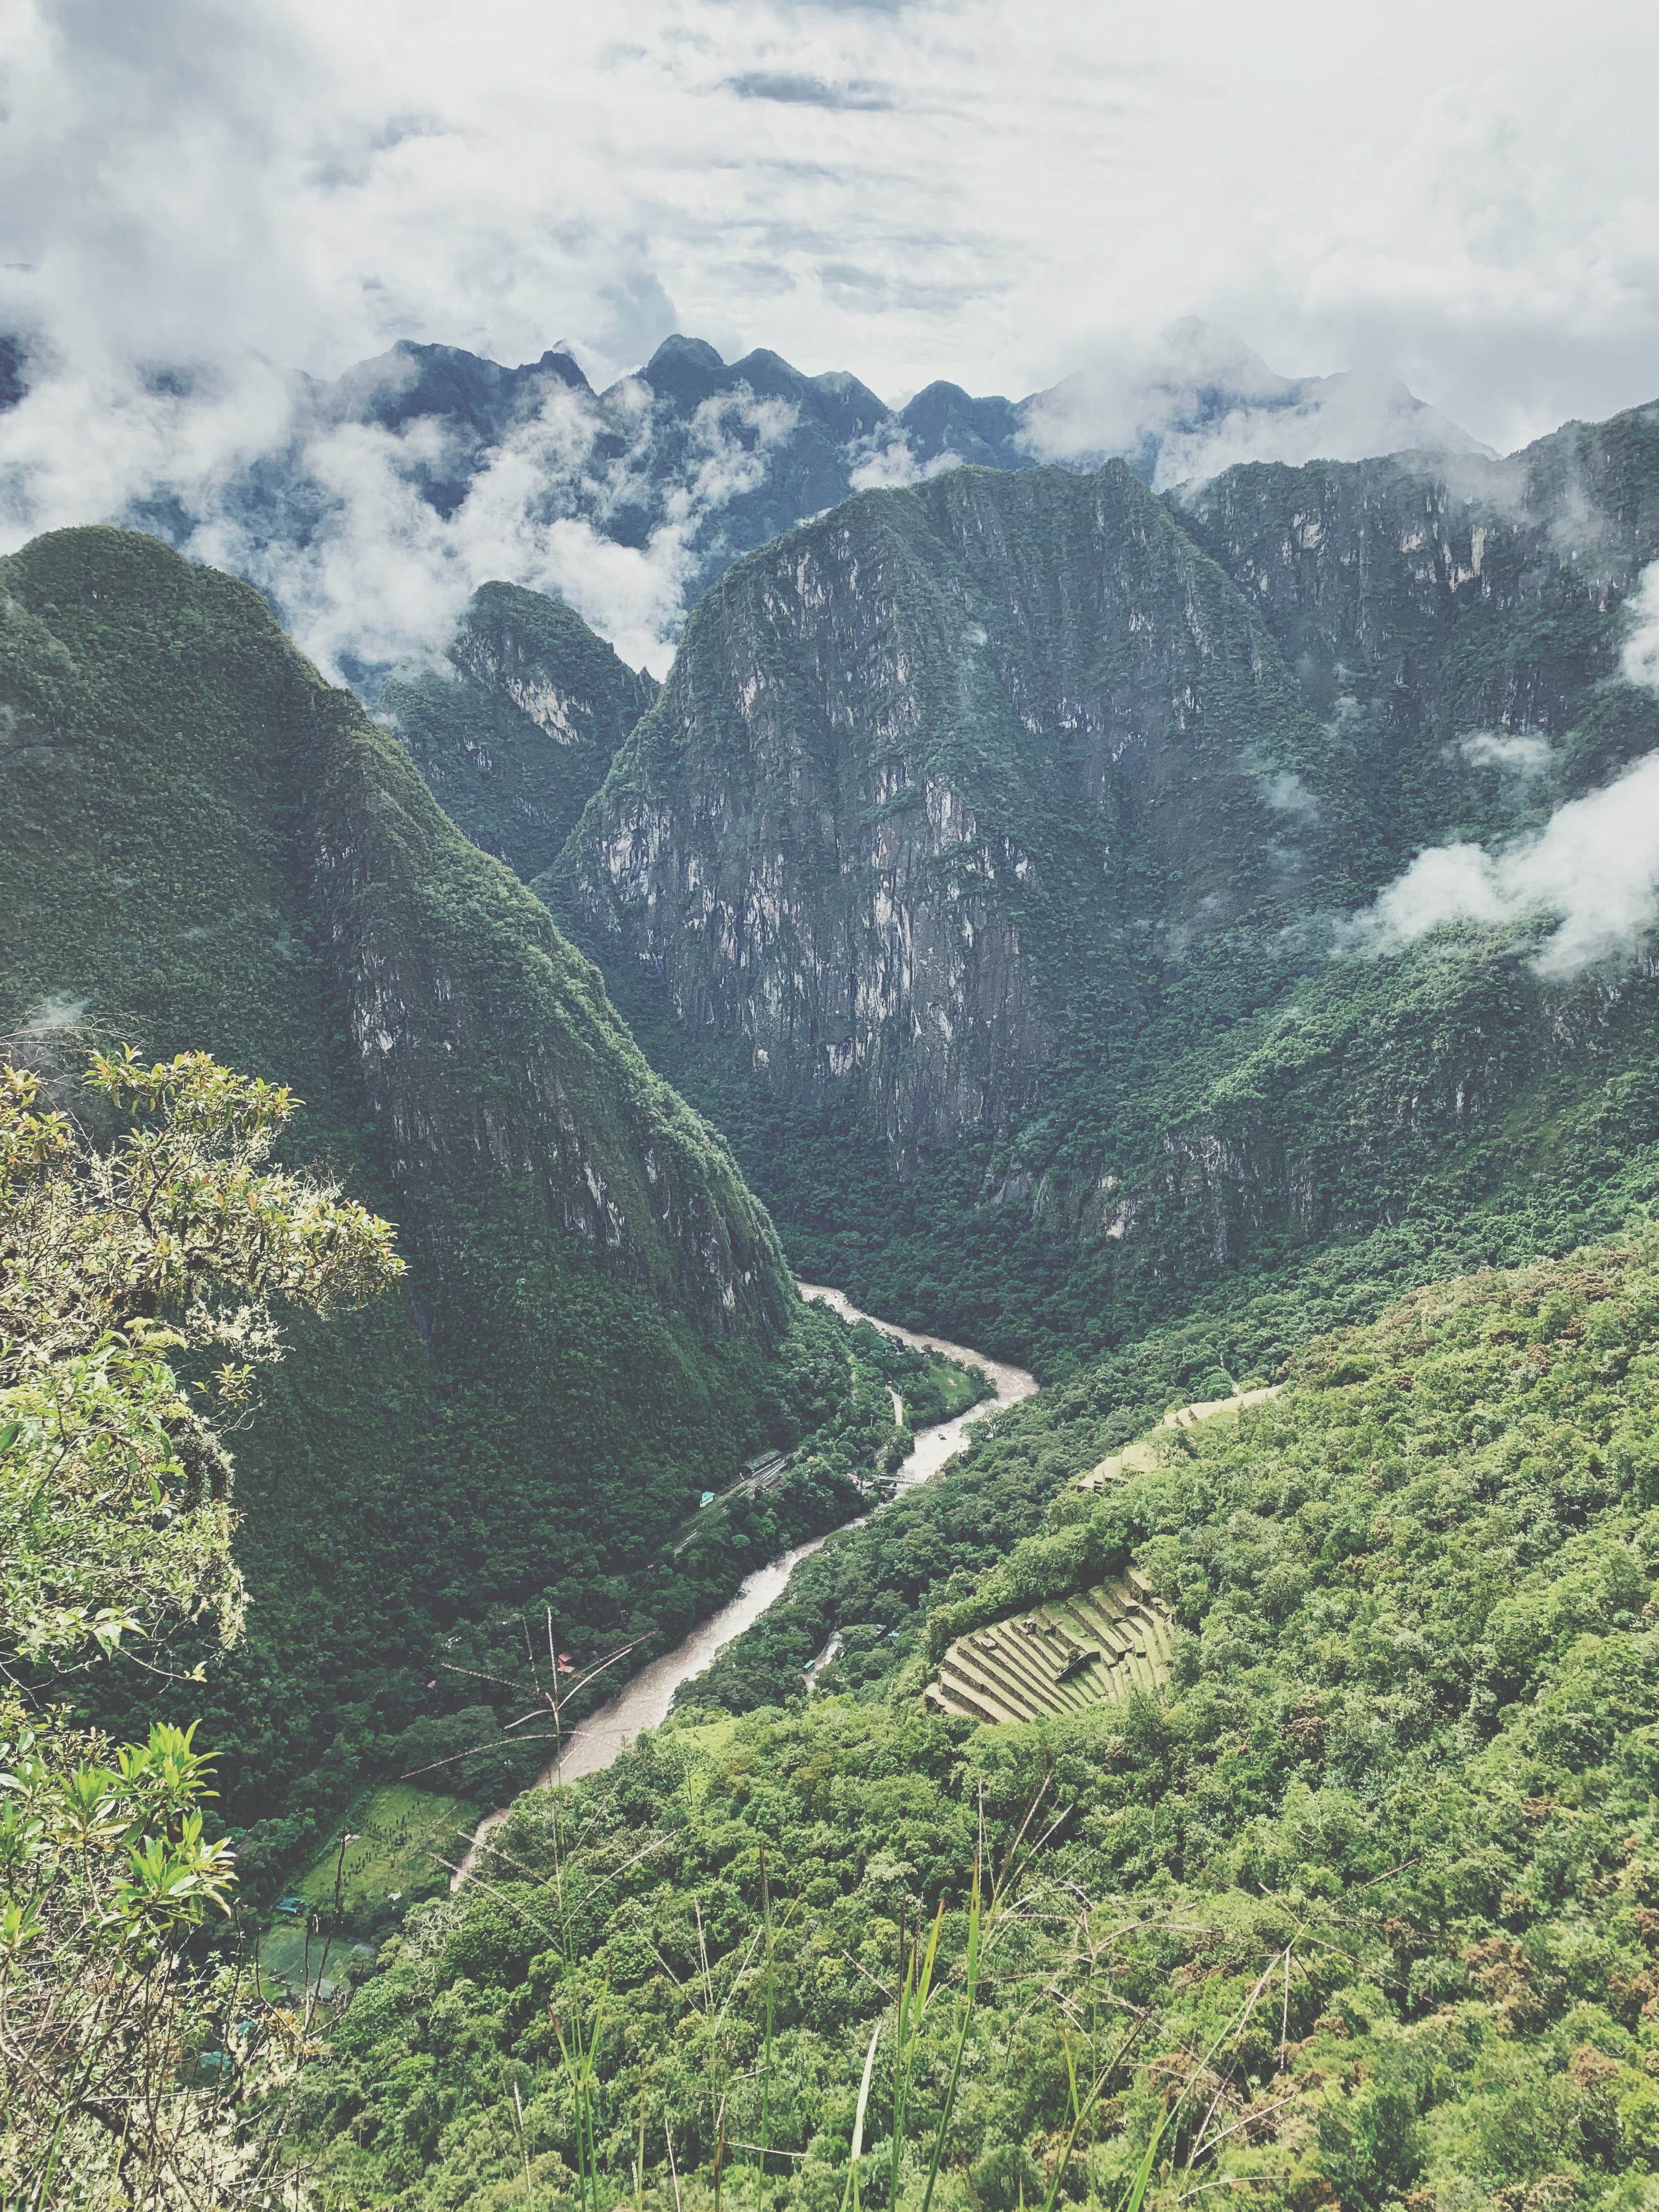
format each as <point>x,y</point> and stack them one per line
<point>199,197</point>
<point>1468,196</point>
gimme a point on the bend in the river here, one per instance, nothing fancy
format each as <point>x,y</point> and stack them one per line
<point>643,1702</point>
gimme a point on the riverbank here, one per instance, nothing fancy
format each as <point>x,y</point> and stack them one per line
<point>644,1702</point>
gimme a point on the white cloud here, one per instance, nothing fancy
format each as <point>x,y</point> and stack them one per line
<point>910,191</point>
<point>1594,870</point>
<point>1589,878</point>
<point>1286,793</point>
<point>889,464</point>
<point>1434,198</point>
<point>378,573</point>
<point>1640,660</point>
<point>1522,756</point>
<point>1205,402</point>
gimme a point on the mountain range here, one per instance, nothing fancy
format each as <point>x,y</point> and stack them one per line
<point>1193,934</point>
<point>1063,862</point>
<point>727,455</point>
<point>367,506</point>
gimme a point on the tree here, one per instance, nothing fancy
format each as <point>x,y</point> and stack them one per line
<point>177,1235</point>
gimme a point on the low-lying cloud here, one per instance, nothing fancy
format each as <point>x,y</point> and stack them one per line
<point>1587,882</point>
<point>330,518</point>
<point>1197,400</point>
<point>791,89</point>
<point>1524,756</point>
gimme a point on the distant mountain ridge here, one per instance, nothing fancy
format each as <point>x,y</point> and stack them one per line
<point>785,446</point>
<point>385,497</point>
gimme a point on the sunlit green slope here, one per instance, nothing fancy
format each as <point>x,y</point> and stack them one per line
<point>1360,1908</point>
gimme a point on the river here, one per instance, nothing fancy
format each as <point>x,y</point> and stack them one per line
<point>643,1702</point>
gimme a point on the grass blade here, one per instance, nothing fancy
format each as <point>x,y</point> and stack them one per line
<point>852,2188</point>
<point>974,1915</point>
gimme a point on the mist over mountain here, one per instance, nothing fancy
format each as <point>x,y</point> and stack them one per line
<point>1098,860</point>
<point>369,508</point>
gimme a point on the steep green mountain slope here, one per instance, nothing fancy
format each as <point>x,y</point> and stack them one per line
<point>209,847</point>
<point>980,869</point>
<point>934,780</point>
<point>1427,602</point>
<point>1361,1910</point>
<point>514,733</point>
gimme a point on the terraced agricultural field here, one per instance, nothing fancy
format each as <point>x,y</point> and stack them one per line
<point>1089,1648</point>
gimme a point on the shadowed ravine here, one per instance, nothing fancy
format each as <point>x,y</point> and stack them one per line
<point>644,1702</point>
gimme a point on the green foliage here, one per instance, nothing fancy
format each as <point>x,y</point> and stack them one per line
<point>174,1235</point>
<point>402,1842</point>
<point>104,1866</point>
<point>1363,1905</point>
<point>210,849</point>
<point>114,1496</point>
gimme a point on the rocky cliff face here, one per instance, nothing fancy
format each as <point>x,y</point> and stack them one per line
<point>211,847</point>
<point>492,1064</point>
<point>1020,818</point>
<point>514,733</point>
<point>932,771</point>
<point>1424,602</point>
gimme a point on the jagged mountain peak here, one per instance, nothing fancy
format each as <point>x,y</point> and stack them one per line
<point>412,380</point>
<point>683,369</point>
<point>515,725</point>
<point>685,464</point>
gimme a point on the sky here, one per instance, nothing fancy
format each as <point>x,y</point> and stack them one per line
<point>1466,197</point>
<point>199,197</point>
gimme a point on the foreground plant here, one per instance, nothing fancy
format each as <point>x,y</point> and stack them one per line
<point>123,2067</point>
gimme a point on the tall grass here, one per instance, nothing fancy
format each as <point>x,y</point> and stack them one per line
<point>931,2013</point>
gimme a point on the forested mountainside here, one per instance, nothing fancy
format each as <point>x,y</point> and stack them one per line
<point>515,728</point>
<point>1358,1910</point>
<point>1423,605</point>
<point>931,768</point>
<point>210,849</point>
<point>992,838</point>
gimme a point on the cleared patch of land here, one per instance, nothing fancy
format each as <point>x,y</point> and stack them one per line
<point>1093,1648</point>
<point>398,1835</point>
<point>1134,1458</point>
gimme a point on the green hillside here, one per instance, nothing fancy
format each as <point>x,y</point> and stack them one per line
<point>1360,1910</point>
<point>208,847</point>
<point>983,867</point>
<point>515,728</point>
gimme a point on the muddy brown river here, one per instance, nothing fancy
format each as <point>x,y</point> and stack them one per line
<point>644,1701</point>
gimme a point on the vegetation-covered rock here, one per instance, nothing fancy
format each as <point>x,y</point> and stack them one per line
<point>209,848</point>
<point>515,731</point>
<point>988,867</point>
<point>1359,1910</point>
